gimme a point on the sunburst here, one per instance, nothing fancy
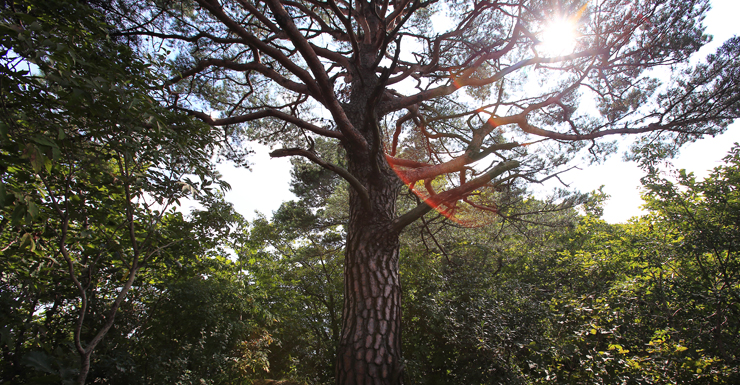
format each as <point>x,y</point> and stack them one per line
<point>559,37</point>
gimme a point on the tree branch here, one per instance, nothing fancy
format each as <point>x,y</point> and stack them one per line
<point>361,190</point>
<point>245,67</point>
<point>215,9</point>
<point>466,81</point>
<point>317,68</point>
<point>267,112</point>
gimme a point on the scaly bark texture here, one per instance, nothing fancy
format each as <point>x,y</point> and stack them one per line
<point>369,349</point>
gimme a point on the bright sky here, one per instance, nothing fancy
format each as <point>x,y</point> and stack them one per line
<point>621,179</point>
<point>266,186</point>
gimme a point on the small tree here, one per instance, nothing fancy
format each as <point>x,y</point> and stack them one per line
<point>459,101</point>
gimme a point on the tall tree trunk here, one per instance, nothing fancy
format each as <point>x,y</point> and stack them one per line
<point>370,342</point>
<point>369,350</point>
<point>84,368</point>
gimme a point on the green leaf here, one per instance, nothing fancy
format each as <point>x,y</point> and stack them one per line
<point>2,194</point>
<point>33,209</point>
<point>35,26</point>
<point>18,214</point>
<point>35,156</point>
<point>43,140</point>
<point>27,240</point>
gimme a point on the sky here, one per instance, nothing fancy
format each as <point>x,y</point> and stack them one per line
<point>621,180</point>
<point>267,184</point>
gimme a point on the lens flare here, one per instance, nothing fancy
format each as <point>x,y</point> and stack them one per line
<point>463,212</point>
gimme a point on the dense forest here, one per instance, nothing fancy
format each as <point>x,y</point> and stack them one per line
<point>415,251</point>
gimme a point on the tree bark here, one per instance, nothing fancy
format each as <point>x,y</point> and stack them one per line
<point>369,351</point>
<point>370,342</point>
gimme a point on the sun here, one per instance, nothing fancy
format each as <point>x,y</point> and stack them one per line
<point>559,37</point>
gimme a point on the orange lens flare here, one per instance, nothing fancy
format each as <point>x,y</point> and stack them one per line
<point>463,214</point>
<point>455,82</point>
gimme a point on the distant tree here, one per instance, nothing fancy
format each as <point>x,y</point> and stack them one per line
<point>199,324</point>
<point>295,259</point>
<point>460,101</point>
<point>653,300</point>
<point>476,301</point>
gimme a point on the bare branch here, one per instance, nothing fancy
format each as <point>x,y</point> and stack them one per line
<point>356,184</point>
<point>322,79</point>
<point>264,113</point>
<point>466,80</point>
<point>215,9</point>
<point>245,67</point>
